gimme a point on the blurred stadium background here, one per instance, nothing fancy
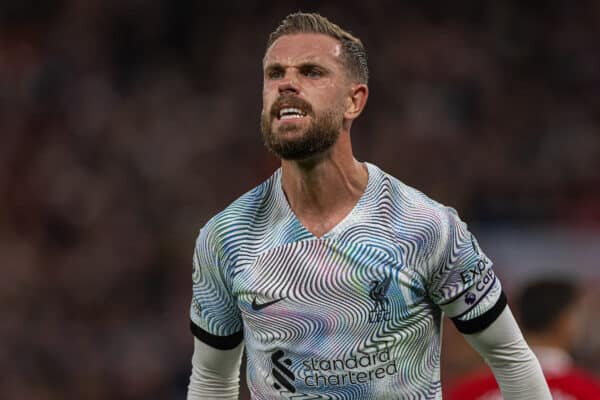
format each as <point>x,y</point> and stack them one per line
<point>125,125</point>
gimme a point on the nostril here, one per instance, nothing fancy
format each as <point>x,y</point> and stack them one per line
<point>288,87</point>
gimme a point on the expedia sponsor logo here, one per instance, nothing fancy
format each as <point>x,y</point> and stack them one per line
<point>485,282</point>
<point>474,273</point>
<point>358,369</point>
<point>480,289</point>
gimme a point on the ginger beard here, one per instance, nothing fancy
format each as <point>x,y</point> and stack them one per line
<point>318,137</point>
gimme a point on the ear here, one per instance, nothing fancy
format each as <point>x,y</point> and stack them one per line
<point>357,100</point>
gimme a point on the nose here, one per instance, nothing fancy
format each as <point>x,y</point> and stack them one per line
<point>288,85</point>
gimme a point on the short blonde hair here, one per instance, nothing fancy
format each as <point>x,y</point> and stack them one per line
<point>353,52</point>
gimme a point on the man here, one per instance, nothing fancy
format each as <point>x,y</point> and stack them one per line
<point>333,274</point>
<point>548,311</point>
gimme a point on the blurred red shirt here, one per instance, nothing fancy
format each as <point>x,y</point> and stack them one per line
<point>566,381</point>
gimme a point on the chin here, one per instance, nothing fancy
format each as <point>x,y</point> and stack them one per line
<point>291,134</point>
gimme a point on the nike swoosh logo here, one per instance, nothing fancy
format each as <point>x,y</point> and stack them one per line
<point>258,307</point>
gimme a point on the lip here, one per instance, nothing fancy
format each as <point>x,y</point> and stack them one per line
<point>280,121</point>
<point>277,110</point>
<point>290,102</point>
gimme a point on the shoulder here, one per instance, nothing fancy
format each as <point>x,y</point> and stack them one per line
<point>419,225</point>
<point>411,208</point>
<point>233,224</point>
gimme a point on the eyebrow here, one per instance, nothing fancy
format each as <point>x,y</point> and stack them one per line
<point>307,63</point>
<point>309,60</point>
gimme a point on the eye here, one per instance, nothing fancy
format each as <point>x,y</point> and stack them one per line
<point>312,72</point>
<point>275,73</point>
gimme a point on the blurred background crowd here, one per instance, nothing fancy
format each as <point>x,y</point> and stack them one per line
<point>125,125</point>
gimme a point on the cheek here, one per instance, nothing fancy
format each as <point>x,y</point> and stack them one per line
<point>336,99</point>
<point>324,85</point>
<point>270,86</point>
<point>327,85</point>
<point>270,90</point>
<point>267,100</point>
<point>331,89</point>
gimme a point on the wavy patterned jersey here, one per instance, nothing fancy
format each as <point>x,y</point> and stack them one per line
<point>354,314</point>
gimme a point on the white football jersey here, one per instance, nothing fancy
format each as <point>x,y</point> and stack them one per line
<point>354,314</point>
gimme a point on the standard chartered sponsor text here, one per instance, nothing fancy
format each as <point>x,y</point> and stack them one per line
<point>358,369</point>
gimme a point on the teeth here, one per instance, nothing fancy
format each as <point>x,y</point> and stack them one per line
<point>291,116</point>
<point>290,112</point>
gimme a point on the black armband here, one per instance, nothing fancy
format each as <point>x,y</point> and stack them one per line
<point>483,321</point>
<point>218,342</point>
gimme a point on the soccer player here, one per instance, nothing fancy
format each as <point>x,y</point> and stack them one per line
<point>333,274</point>
<point>548,310</point>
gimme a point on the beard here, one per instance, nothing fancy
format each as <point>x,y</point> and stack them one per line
<point>319,136</point>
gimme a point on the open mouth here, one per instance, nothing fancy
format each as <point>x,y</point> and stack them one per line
<point>290,113</point>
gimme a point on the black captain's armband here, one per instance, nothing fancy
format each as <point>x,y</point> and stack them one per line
<point>483,321</point>
<point>218,342</point>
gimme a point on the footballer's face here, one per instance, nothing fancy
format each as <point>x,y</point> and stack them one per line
<point>304,95</point>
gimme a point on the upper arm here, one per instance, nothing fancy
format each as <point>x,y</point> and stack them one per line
<point>461,280</point>
<point>215,316</point>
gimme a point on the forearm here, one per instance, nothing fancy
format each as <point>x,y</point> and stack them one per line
<point>515,367</point>
<point>215,373</point>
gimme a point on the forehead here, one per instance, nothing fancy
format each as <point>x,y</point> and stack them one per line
<point>300,47</point>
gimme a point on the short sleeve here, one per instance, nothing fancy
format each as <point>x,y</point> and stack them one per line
<point>462,281</point>
<point>215,317</point>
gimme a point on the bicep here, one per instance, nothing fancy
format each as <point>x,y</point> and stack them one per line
<point>214,308</point>
<point>461,281</point>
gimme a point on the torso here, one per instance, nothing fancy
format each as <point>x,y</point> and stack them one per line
<point>347,315</point>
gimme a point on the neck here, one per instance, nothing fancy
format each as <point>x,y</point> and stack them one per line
<point>323,189</point>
